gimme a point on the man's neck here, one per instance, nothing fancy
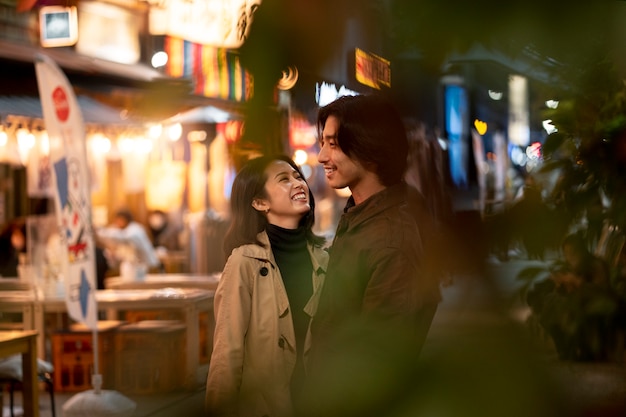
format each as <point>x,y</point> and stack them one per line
<point>365,189</point>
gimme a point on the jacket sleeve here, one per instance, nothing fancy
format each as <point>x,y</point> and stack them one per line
<point>232,306</point>
<point>392,286</point>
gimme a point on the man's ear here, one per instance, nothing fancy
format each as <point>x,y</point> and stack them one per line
<point>261,204</point>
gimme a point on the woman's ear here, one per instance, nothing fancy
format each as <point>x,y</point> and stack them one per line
<point>261,204</point>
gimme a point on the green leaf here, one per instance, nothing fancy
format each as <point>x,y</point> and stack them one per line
<point>531,273</point>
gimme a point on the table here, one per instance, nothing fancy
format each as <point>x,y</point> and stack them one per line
<point>19,301</point>
<point>190,301</point>
<point>154,281</point>
<point>24,342</point>
<point>22,297</point>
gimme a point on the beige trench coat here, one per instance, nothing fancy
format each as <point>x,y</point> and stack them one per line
<point>254,350</point>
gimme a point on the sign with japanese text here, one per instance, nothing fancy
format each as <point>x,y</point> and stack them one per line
<point>372,70</point>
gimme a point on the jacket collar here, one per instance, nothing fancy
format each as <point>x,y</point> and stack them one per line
<point>319,260</point>
<point>379,202</point>
<point>319,257</point>
<point>257,251</point>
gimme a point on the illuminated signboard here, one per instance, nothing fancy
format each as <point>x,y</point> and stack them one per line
<point>219,23</point>
<point>327,92</point>
<point>372,70</point>
<point>58,26</point>
<point>98,21</point>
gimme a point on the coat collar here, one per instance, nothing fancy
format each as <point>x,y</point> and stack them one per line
<point>379,202</point>
<point>257,251</point>
<point>319,257</point>
<point>319,260</point>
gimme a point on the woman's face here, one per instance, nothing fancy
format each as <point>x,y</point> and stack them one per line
<point>287,198</point>
<point>18,240</point>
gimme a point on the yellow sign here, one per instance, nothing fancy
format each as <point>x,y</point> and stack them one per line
<point>481,127</point>
<point>372,70</point>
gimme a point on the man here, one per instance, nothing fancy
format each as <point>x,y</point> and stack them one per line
<point>129,241</point>
<point>381,290</point>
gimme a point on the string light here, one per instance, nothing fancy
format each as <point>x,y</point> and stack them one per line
<point>4,138</point>
<point>175,131</point>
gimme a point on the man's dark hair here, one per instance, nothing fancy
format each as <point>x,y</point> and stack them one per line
<point>370,131</point>
<point>124,214</point>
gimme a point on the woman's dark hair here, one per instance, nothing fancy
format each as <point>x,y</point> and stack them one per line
<point>246,222</point>
<point>9,255</point>
<point>370,131</point>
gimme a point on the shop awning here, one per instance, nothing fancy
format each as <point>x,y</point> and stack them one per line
<point>528,62</point>
<point>206,114</point>
<point>139,89</point>
<point>93,111</point>
<point>143,92</point>
<point>73,62</point>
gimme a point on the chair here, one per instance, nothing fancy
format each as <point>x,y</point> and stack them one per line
<point>11,374</point>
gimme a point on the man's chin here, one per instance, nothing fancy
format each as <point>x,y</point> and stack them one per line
<point>341,189</point>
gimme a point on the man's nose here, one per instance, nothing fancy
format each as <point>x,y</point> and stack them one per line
<point>322,155</point>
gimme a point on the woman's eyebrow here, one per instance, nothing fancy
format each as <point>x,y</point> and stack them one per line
<point>283,173</point>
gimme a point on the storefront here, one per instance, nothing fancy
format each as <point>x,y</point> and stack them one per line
<point>149,132</point>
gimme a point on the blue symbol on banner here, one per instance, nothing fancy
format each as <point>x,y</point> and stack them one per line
<point>60,169</point>
<point>84,290</point>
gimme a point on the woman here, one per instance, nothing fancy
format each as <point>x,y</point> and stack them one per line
<point>12,247</point>
<point>267,293</point>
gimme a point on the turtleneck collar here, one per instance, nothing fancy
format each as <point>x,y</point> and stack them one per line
<point>286,239</point>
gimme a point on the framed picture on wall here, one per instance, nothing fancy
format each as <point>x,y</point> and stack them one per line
<point>58,26</point>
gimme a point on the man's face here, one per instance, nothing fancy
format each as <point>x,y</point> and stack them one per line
<point>341,171</point>
<point>120,222</point>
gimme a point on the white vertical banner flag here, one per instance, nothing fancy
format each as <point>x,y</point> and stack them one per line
<point>68,159</point>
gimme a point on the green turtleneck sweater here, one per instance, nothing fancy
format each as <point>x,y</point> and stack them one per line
<point>294,262</point>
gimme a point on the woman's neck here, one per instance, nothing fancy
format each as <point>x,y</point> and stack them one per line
<point>284,222</point>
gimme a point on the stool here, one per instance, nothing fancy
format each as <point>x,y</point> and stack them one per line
<point>11,373</point>
<point>148,356</point>
<point>73,356</point>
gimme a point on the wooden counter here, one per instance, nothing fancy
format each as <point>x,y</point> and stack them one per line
<point>155,281</point>
<point>191,302</point>
<point>24,342</point>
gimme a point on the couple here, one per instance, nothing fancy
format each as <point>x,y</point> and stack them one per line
<point>355,317</point>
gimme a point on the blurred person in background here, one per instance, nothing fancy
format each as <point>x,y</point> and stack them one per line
<point>127,241</point>
<point>12,246</point>
<point>267,293</point>
<point>382,286</point>
<point>164,232</point>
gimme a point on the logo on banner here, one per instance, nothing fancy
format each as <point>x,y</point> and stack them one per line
<point>61,105</point>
